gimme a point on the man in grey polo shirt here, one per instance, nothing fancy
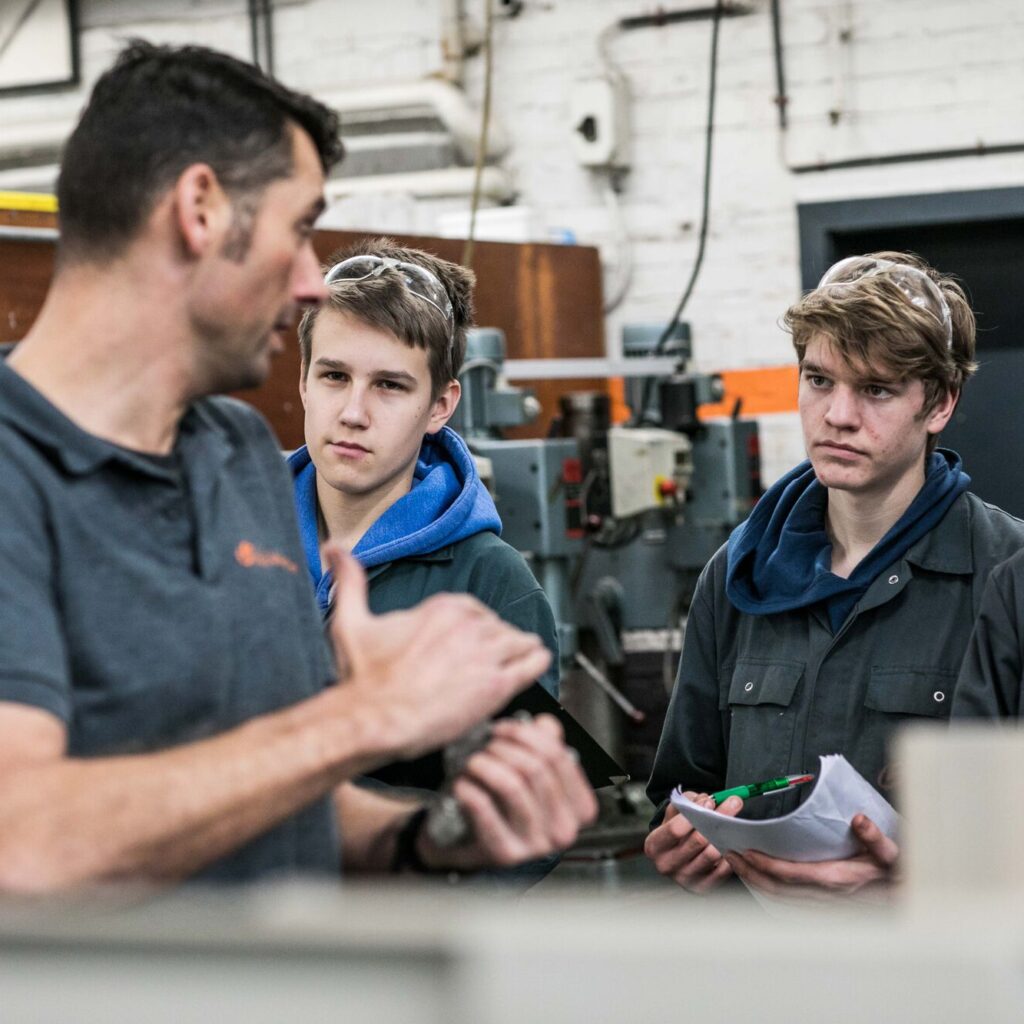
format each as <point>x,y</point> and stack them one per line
<point>165,701</point>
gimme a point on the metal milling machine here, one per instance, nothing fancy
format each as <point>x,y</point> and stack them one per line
<point>617,522</point>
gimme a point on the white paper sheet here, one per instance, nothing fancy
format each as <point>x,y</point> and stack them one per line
<point>819,829</point>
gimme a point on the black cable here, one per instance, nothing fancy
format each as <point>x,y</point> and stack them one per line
<point>659,348</point>
<point>780,71</point>
<point>261,34</point>
<point>268,28</point>
<point>254,32</point>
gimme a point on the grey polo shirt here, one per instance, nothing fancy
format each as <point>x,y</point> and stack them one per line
<point>150,602</point>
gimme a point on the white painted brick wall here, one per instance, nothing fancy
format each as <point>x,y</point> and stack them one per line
<point>915,75</point>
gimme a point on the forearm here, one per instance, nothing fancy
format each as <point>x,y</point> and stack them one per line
<point>163,816</point>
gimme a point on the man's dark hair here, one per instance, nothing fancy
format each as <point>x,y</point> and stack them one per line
<point>384,302</point>
<point>160,109</point>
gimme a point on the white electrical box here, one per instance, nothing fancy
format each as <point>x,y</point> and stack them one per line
<point>485,470</point>
<point>650,468</point>
<point>599,112</point>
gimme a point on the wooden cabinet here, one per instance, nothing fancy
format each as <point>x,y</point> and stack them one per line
<point>546,298</point>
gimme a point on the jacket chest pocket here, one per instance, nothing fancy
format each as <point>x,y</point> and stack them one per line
<point>761,719</point>
<point>895,695</point>
<point>911,693</point>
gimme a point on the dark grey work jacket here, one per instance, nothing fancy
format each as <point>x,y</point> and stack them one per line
<point>991,683</point>
<point>764,695</point>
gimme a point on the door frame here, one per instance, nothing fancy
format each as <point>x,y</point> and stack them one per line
<point>819,222</point>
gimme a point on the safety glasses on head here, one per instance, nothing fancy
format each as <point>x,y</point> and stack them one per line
<point>920,290</point>
<point>420,281</point>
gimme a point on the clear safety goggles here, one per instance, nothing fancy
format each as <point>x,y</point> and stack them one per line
<point>920,290</point>
<point>420,281</point>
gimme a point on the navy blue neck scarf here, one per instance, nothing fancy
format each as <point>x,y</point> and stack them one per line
<point>780,558</point>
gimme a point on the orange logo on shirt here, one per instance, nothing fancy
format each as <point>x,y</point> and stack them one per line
<point>251,557</point>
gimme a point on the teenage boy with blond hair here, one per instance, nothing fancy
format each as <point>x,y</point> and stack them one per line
<point>843,605</point>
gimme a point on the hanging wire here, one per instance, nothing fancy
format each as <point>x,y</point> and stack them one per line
<point>643,413</point>
<point>485,124</point>
<point>611,182</point>
<point>624,248</point>
<point>261,34</point>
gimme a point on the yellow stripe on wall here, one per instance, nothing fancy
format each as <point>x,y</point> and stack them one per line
<point>35,202</point>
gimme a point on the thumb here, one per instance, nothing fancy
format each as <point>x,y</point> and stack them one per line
<point>877,844</point>
<point>730,807</point>
<point>348,595</point>
<point>349,605</point>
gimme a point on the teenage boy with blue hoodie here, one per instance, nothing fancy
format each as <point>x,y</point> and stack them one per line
<point>843,606</point>
<point>381,474</point>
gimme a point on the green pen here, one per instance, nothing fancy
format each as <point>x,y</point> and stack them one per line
<point>760,788</point>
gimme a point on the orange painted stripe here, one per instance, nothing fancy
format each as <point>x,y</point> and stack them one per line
<point>620,412</point>
<point>764,389</point>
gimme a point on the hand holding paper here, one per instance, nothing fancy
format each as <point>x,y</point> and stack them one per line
<point>841,839</point>
<point>678,851</point>
<point>867,874</point>
<point>819,829</point>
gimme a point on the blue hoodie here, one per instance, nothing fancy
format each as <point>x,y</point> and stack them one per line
<point>780,558</point>
<point>447,503</point>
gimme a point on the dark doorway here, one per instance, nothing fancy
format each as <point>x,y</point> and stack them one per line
<point>959,236</point>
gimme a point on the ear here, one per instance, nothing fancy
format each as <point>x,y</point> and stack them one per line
<point>303,373</point>
<point>937,419</point>
<point>201,209</point>
<point>444,405</point>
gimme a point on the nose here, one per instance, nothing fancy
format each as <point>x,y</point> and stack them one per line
<point>308,288</point>
<point>843,408</point>
<point>354,411</point>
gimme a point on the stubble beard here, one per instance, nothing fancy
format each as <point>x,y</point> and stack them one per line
<point>221,367</point>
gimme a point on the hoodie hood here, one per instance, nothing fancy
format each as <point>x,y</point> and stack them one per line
<point>780,558</point>
<point>446,503</point>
